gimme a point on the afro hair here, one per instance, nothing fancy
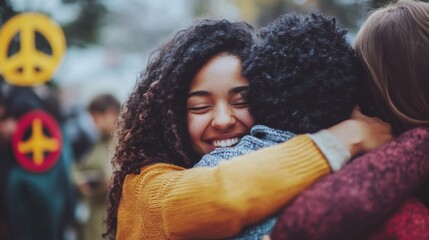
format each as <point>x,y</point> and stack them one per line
<point>303,74</point>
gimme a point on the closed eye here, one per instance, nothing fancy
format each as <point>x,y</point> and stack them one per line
<point>239,100</point>
<point>240,104</point>
<point>199,109</point>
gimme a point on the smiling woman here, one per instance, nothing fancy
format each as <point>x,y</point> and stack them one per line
<point>218,114</point>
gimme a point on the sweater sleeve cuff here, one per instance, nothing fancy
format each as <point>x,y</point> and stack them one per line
<point>335,152</point>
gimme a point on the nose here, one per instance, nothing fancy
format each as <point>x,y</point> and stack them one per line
<point>223,118</point>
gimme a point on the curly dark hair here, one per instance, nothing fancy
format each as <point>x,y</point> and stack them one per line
<point>303,74</point>
<point>153,126</point>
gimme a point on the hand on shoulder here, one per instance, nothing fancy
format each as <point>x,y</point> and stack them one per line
<point>361,133</point>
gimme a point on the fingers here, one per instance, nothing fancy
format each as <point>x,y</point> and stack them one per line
<point>356,113</point>
<point>357,108</point>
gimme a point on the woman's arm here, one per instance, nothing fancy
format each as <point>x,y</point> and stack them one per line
<point>166,201</point>
<point>354,201</point>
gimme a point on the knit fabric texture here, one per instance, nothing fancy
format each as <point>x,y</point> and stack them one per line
<point>260,136</point>
<point>166,201</point>
<point>357,200</point>
<point>411,221</point>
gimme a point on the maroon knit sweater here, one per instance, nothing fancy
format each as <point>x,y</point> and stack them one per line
<point>410,222</point>
<point>355,201</point>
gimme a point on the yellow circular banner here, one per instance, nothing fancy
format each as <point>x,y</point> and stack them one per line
<point>30,66</point>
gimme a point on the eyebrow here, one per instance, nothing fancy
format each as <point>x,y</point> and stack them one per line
<point>238,89</point>
<point>234,90</point>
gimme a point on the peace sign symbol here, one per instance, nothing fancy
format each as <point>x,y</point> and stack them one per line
<point>30,66</point>
<point>37,141</point>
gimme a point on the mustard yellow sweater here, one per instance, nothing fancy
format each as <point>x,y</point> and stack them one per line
<point>169,202</point>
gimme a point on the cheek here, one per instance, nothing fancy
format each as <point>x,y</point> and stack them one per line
<point>196,126</point>
<point>246,118</point>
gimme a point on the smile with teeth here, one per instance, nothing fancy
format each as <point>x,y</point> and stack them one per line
<point>225,142</point>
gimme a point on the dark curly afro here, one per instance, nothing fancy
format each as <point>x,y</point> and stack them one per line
<point>303,74</point>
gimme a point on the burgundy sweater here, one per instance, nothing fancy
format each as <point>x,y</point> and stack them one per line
<point>354,202</point>
<point>410,222</point>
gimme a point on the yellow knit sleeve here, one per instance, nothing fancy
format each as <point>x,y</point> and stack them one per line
<point>168,202</point>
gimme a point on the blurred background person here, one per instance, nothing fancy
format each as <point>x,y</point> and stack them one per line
<point>34,205</point>
<point>92,173</point>
<point>7,126</point>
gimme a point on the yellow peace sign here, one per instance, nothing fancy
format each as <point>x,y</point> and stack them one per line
<point>30,66</point>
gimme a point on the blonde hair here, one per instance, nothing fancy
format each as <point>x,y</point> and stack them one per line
<point>393,45</point>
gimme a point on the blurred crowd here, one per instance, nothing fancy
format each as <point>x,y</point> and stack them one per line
<point>67,200</point>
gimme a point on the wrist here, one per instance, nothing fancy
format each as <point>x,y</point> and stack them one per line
<point>348,132</point>
<point>335,152</point>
